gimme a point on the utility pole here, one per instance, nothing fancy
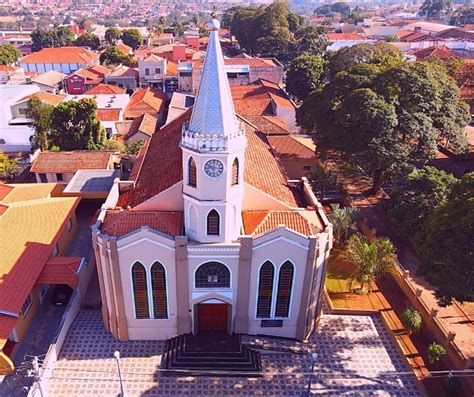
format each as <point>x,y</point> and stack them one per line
<point>117,357</point>
<point>314,357</point>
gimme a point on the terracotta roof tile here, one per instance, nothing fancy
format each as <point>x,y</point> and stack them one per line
<point>27,192</point>
<point>171,68</point>
<point>124,49</point>
<point>270,125</point>
<point>60,270</point>
<point>70,162</point>
<point>345,36</point>
<point>289,148</point>
<point>108,114</point>
<point>260,222</point>
<point>100,70</point>
<point>124,71</point>
<point>105,89</point>
<point>45,97</point>
<point>440,52</point>
<point>145,100</point>
<point>145,124</point>
<point>118,223</point>
<point>61,55</point>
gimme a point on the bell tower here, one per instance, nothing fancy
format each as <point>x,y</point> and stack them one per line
<point>213,145</point>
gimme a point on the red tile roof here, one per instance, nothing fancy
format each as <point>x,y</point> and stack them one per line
<point>441,52</point>
<point>288,147</point>
<point>70,162</point>
<point>259,222</point>
<point>145,100</point>
<point>124,49</point>
<point>105,89</point>
<point>345,36</point>
<point>118,223</point>
<point>108,114</point>
<point>270,125</point>
<point>171,68</point>
<point>145,124</point>
<point>61,55</point>
<point>60,270</point>
<point>161,167</point>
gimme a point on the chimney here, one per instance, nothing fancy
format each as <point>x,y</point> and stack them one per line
<point>179,53</point>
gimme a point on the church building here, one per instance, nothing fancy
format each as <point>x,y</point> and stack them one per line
<point>209,234</point>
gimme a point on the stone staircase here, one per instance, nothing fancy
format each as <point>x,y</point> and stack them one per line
<point>210,355</point>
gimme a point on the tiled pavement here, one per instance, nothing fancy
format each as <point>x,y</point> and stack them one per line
<point>355,357</point>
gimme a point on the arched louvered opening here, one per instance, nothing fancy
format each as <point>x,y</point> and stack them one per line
<point>235,172</point>
<point>140,291</point>
<point>285,283</point>
<point>212,275</point>
<point>213,223</point>
<point>158,284</point>
<point>192,175</point>
<point>265,290</point>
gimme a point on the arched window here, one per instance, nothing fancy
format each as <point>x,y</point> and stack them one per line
<point>285,282</point>
<point>192,179</point>
<point>213,223</point>
<point>193,218</point>
<point>212,275</point>
<point>235,172</point>
<point>140,291</point>
<point>265,290</point>
<point>158,285</point>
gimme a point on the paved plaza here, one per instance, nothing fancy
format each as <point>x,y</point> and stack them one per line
<point>355,357</point>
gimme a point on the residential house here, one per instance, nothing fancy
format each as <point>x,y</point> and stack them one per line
<point>105,89</point>
<point>60,167</point>
<point>37,225</point>
<point>15,128</point>
<point>340,40</point>
<point>83,80</point>
<point>142,128</point>
<point>240,71</point>
<point>123,76</point>
<point>152,71</point>
<point>51,81</point>
<point>62,59</point>
<point>146,100</point>
<point>210,235</point>
<point>171,52</point>
<point>11,75</point>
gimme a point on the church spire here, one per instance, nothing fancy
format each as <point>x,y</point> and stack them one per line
<point>213,112</point>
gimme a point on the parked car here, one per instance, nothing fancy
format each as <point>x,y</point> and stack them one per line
<point>61,294</point>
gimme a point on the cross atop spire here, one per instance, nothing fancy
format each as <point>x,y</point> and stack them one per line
<point>213,112</point>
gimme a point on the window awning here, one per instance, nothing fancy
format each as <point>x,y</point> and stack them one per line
<point>61,270</point>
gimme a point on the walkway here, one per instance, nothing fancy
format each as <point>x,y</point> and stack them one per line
<point>457,317</point>
<point>355,356</point>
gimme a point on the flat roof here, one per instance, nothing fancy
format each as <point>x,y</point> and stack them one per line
<point>92,181</point>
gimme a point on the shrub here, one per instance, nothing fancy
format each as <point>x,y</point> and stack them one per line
<point>411,319</point>
<point>435,352</point>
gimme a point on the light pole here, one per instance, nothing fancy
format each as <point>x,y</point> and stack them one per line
<point>314,357</point>
<point>117,357</point>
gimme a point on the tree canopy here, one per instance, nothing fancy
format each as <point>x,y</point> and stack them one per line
<point>8,54</point>
<point>379,53</point>
<point>57,37</point>
<point>417,195</point>
<point>112,35</point>
<point>305,74</point>
<point>434,8</point>
<point>328,9</point>
<point>445,245</point>
<point>273,31</point>
<point>113,56</point>
<point>132,38</point>
<point>386,119</point>
<point>88,39</point>
<point>40,115</point>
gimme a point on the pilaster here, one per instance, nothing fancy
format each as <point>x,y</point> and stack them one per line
<point>243,285</point>
<point>182,285</point>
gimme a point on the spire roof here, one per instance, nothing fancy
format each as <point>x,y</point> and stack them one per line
<point>213,112</point>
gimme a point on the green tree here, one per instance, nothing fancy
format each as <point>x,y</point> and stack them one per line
<point>311,40</point>
<point>387,119</point>
<point>344,221</point>
<point>112,35</point>
<point>113,56</point>
<point>435,352</point>
<point>328,9</point>
<point>40,115</point>
<point>305,74</point>
<point>8,166</point>
<point>371,259</point>
<point>445,246</point>
<point>8,54</point>
<point>74,126</point>
<point>56,37</point>
<point>134,147</point>
<point>434,8</point>
<point>417,195</point>
<point>379,53</point>
<point>132,38</point>
<point>114,145</point>
<point>411,320</point>
<point>88,40</point>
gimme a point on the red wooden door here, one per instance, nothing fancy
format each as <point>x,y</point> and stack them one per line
<point>213,317</point>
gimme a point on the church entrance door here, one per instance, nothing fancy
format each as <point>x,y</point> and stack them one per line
<point>213,316</point>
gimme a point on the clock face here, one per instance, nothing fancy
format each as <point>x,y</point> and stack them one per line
<point>213,168</point>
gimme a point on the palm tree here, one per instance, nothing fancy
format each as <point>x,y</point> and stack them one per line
<point>371,259</point>
<point>344,221</point>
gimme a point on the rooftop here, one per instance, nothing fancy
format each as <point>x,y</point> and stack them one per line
<point>61,55</point>
<point>105,89</point>
<point>70,162</point>
<point>145,100</point>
